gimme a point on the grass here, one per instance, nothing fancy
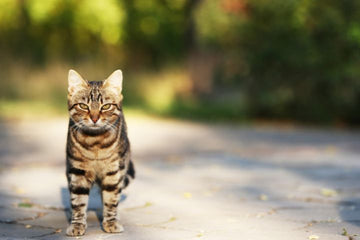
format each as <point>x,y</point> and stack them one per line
<point>200,111</point>
<point>20,109</point>
<point>32,92</point>
<point>34,109</point>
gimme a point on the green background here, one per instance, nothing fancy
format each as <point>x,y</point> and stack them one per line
<point>234,60</point>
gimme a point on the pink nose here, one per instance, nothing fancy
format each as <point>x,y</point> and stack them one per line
<point>94,119</point>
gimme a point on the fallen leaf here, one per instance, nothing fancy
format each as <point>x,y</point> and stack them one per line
<point>58,230</point>
<point>331,149</point>
<point>328,192</point>
<point>28,226</point>
<point>25,205</point>
<point>200,234</point>
<point>263,197</point>
<point>41,214</point>
<point>148,204</point>
<point>272,211</point>
<point>187,195</point>
<point>313,237</point>
<point>345,233</point>
<point>19,190</point>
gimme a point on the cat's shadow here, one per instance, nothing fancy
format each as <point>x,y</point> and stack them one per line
<point>95,202</point>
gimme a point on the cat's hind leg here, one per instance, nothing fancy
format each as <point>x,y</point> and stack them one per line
<point>110,196</point>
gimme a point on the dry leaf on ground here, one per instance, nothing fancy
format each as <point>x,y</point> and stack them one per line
<point>187,195</point>
<point>314,237</point>
<point>328,192</point>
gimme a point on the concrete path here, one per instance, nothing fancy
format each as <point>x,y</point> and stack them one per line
<point>194,181</point>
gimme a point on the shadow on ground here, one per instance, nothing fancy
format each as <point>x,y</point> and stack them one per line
<point>194,180</point>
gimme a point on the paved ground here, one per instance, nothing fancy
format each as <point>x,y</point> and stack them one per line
<point>194,181</point>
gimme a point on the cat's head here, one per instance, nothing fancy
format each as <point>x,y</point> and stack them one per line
<point>94,107</point>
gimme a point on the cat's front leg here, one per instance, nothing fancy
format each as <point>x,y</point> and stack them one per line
<point>110,195</point>
<point>79,186</point>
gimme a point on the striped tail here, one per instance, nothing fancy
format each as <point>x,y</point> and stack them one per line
<point>130,174</point>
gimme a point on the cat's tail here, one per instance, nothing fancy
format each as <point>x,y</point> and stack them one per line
<point>130,174</point>
<point>131,170</point>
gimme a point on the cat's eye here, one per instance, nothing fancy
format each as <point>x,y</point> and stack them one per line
<point>106,107</point>
<point>84,106</point>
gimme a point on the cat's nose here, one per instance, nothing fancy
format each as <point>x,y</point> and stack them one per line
<point>94,119</point>
<point>94,115</point>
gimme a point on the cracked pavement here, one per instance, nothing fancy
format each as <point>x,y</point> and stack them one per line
<point>194,181</point>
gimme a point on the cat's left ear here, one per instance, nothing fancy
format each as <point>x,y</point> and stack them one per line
<point>114,82</point>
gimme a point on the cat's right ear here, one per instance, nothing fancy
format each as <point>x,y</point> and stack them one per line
<point>76,82</point>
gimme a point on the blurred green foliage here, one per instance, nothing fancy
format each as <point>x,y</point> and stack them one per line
<point>293,59</point>
<point>222,59</point>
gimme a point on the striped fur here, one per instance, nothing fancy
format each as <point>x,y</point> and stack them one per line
<point>98,149</point>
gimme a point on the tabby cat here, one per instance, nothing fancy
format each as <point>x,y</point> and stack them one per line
<point>98,148</point>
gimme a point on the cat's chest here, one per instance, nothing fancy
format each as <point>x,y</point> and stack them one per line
<point>97,148</point>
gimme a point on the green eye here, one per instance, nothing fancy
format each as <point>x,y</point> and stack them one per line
<point>106,107</point>
<point>83,106</point>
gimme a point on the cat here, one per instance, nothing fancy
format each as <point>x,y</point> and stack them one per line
<point>98,148</point>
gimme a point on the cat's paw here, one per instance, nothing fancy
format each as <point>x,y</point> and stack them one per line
<point>112,227</point>
<point>76,229</point>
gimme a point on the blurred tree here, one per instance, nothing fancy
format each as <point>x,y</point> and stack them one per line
<point>292,59</point>
<point>295,59</point>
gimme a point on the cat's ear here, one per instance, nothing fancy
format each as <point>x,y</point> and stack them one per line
<point>76,82</point>
<point>114,82</point>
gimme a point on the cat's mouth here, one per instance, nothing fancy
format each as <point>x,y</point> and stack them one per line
<point>94,130</point>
